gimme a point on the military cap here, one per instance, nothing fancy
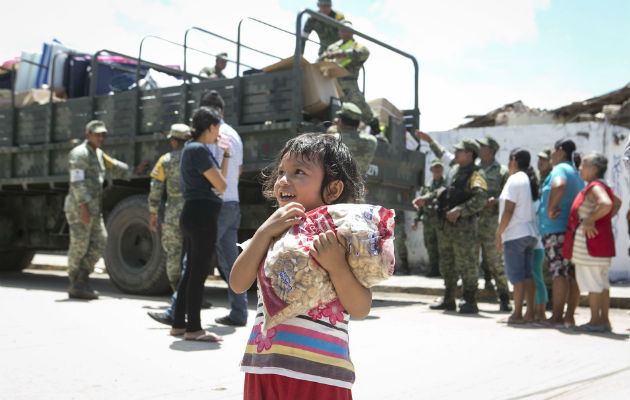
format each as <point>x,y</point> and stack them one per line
<point>468,145</point>
<point>223,55</point>
<point>350,110</point>
<point>436,162</point>
<point>489,141</point>
<point>179,131</point>
<point>96,126</point>
<point>325,2</point>
<point>545,153</point>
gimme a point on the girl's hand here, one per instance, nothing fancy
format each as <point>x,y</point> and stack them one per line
<point>282,219</point>
<point>589,229</point>
<point>329,250</point>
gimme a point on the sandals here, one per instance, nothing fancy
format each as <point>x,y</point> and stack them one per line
<point>595,329</point>
<point>203,336</point>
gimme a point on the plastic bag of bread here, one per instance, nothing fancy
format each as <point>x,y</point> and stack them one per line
<point>292,282</point>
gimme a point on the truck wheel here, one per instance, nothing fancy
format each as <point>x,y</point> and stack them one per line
<point>134,257</point>
<point>15,260</point>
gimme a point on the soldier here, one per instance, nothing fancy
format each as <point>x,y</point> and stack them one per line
<point>351,55</point>
<point>87,165</point>
<point>165,177</point>
<point>362,145</point>
<point>216,72</point>
<point>491,262</point>
<point>428,215</point>
<point>327,33</point>
<point>459,205</point>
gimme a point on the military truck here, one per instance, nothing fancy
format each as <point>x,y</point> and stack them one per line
<point>265,108</point>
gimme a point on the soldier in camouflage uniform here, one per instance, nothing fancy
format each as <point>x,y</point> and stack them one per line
<point>351,55</point>
<point>459,205</point>
<point>327,34</point>
<point>362,145</point>
<point>428,215</point>
<point>88,166</point>
<point>491,262</point>
<point>215,72</point>
<point>165,178</point>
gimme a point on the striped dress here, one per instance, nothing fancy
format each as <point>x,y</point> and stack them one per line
<point>580,255</point>
<point>311,347</point>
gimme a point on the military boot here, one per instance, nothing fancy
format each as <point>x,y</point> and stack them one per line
<point>448,305</point>
<point>505,302</point>
<point>470,304</point>
<point>81,290</point>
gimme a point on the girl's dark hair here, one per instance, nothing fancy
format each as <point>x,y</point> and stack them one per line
<point>523,158</point>
<point>335,158</point>
<point>202,118</point>
<point>568,146</point>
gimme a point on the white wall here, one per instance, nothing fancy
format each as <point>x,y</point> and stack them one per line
<point>588,136</point>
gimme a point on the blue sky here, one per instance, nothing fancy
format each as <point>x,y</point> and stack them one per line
<point>474,56</point>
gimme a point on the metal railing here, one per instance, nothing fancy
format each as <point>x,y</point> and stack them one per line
<point>297,104</point>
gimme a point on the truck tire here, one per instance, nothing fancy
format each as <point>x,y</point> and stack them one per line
<point>15,260</point>
<point>134,257</point>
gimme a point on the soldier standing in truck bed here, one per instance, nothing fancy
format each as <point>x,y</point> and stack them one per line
<point>351,55</point>
<point>165,178</point>
<point>215,72</point>
<point>362,145</point>
<point>327,33</point>
<point>88,165</point>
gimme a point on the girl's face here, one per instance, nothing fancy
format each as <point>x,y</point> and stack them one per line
<point>299,180</point>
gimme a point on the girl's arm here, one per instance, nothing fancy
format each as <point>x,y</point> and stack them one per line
<point>330,252</point>
<point>603,206</point>
<point>558,186</point>
<point>216,178</point>
<point>246,265</point>
<point>506,217</point>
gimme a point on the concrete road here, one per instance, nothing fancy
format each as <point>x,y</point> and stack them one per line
<point>52,347</point>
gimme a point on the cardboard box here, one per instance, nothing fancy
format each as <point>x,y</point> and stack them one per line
<point>383,110</point>
<point>39,96</point>
<point>319,82</point>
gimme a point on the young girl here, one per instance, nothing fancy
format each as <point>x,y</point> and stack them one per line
<point>306,357</point>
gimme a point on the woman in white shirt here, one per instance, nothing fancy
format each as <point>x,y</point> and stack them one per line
<point>516,235</point>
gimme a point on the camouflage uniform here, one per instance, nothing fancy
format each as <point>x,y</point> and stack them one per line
<point>87,167</point>
<point>356,55</point>
<point>361,145</point>
<point>428,214</point>
<point>492,264</point>
<point>465,191</point>
<point>211,73</point>
<point>327,34</point>
<point>165,176</point>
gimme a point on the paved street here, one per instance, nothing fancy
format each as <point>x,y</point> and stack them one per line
<point>56,348</point>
